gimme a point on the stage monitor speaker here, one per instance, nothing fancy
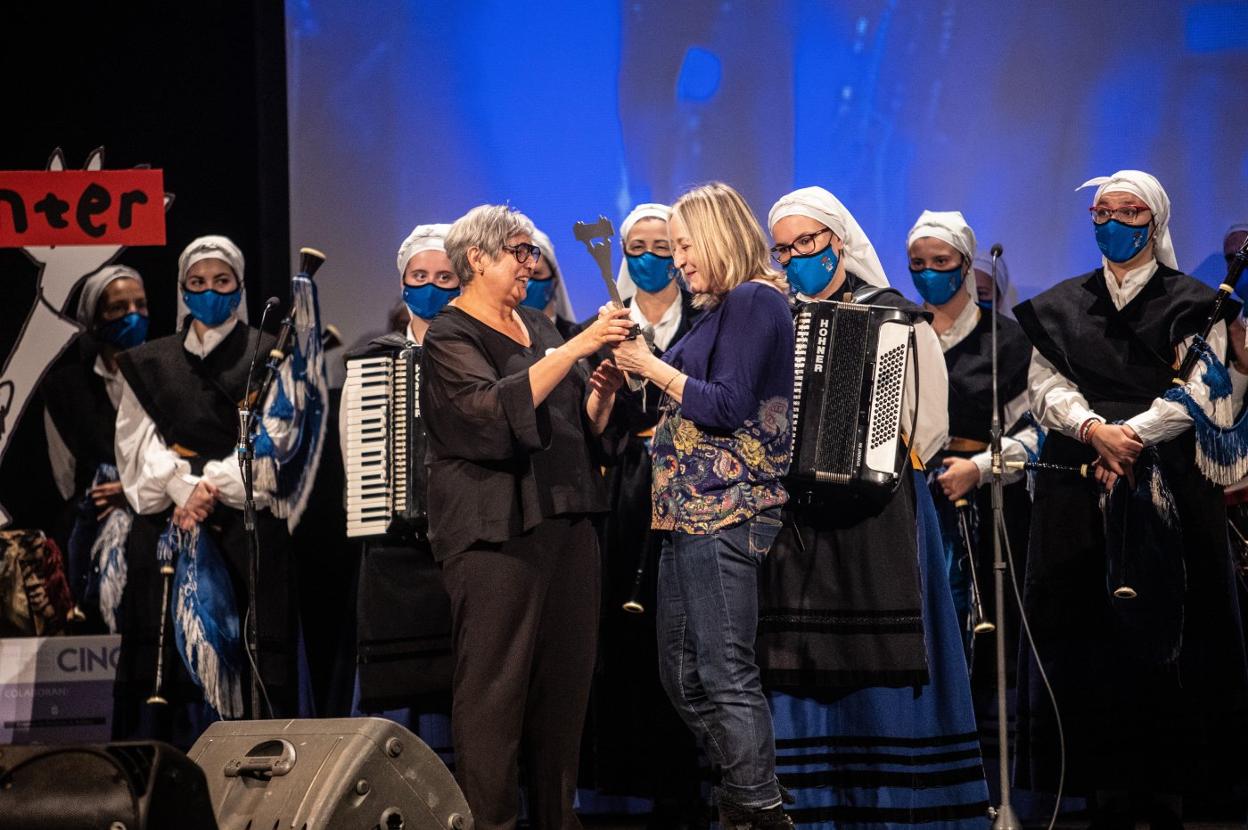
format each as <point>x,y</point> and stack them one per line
<point>329,774</point>
<point>119,786</point>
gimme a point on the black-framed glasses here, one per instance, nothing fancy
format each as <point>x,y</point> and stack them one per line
<point>804,245</point>
<point>524,252</point>
<point>1127,214</point>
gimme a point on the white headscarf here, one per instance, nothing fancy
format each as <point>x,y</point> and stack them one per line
<point>1150,191</point>
<point>646,210</point>
<point>93,289</point>
<point>210,247</point>
<point>1009,297</point>
<point>818,204</point>
<point>563,304</point>
<point>948,226</point>
<point>422,238</point>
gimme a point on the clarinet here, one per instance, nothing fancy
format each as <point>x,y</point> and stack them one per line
<point>166,576</point>
<point>633,604</point>
<point>979,622</point>
<point>1123,591</point>
<point>1081,470</point>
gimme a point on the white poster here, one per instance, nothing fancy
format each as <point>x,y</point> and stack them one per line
<point>57,689</point>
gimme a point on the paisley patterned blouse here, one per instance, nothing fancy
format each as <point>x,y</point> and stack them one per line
<point>718,456</point>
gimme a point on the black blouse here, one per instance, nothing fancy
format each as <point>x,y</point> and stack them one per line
<point>497,465</point>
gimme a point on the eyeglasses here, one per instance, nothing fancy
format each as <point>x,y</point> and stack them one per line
<point>524,252</point>
<point>1127,214</point>
<point>804,245</point>
<point>442,279</point>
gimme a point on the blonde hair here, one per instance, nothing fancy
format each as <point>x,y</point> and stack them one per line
<point>727,239</point>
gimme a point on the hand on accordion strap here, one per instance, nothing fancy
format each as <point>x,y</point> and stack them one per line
<point>960,476</point>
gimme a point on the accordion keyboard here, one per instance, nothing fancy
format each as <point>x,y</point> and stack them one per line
<point>367,398</point>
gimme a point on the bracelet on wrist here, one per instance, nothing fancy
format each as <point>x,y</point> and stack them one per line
<point>1087,428</point>
<point>669,382</point>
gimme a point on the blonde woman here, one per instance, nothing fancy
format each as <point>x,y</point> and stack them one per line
<point>719,452</point>
<point>631,714</point>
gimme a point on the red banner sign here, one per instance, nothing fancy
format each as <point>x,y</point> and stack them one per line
<point>82,207</point>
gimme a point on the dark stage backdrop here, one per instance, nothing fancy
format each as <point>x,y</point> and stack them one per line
<point>198,89</point>
<point>409,112</point>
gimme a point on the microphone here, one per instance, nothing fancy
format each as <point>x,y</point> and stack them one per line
<point>269,305</point>
<point>996,251</point>
<point>283,339</point>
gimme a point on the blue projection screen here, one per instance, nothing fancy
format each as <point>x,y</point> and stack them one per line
<point>404,113</point>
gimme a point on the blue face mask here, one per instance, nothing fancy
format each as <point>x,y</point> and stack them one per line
<point>125,332</point>
<point>1119,242</point>
<point>539,293</point>
<point>937,287</point>
<point>811,274</point>
<point>212,307</point>
<point>425,301</point>
<point>986,305</point>
<point>651,272</point>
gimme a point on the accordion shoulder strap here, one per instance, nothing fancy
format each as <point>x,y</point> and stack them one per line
<point>868,294</point>
<point>385,344</point>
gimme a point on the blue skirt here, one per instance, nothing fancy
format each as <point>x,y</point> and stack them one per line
<point>906,756</point>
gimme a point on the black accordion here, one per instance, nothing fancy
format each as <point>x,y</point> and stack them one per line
<point>849,377</point>
<point>384,440</point>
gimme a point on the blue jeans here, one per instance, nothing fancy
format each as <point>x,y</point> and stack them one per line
<point>707,619</point>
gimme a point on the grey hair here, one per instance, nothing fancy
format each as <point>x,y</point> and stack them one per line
<point>486,227</point>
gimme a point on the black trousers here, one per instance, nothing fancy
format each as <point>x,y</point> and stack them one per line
<point>524,629</point>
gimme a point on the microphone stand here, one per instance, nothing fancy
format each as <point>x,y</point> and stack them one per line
<point>310,260</point>
<point>1004,817</point>
<point>248,419</point>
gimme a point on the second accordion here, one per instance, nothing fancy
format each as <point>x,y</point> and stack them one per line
<point>384,440</point>
<point>849,379</point>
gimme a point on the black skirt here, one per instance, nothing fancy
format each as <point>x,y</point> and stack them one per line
<point>403,619</point>
<point>139,622</point>
<point>1130,720</point>
<point>840,604</point>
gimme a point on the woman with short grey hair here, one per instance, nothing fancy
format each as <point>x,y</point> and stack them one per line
<point>514,478</point>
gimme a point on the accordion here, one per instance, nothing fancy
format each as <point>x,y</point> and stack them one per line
<point>849,377</point>
<point>384,441</point>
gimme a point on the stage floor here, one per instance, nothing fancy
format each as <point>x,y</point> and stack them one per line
<point>1073,823</point>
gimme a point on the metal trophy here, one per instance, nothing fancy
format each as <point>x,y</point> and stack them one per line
<point>597,240</point>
